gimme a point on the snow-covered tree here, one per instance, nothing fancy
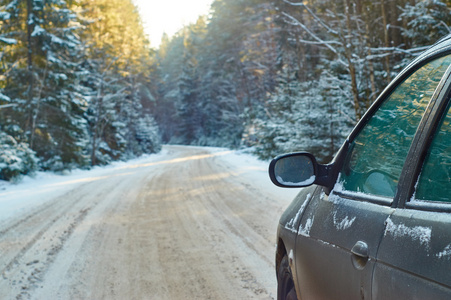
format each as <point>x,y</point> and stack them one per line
<point>42,82</point>
<point>425,21</point>
<point>15,158</point>
<point>68,70</point>
<point>304,116</point>
<point>119,64</point>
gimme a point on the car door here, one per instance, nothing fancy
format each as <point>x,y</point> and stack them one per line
<point>339,235</point>
<point>414,260</point>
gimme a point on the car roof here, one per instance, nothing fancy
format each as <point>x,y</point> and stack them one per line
<point>445,39</point>
<point>440,46</point>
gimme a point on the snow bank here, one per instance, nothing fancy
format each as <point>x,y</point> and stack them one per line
<point>34,191</point>
<point>255,172</point>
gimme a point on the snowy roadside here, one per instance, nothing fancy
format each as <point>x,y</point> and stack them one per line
<point>255,172</point>
<point>103,234</point>
<point>33,191</point>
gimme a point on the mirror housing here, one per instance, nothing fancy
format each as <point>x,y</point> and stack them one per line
<point>295,170</point>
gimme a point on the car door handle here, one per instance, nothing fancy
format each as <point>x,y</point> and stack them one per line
<point>360,255</point>
<point>360,249</point>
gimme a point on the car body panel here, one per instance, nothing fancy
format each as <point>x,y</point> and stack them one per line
<point>414,259</point>
<point>287,229</point>
<point>326,267</point>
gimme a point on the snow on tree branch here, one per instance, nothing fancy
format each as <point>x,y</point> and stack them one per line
<point>313,35</point>
<point>313,15</point>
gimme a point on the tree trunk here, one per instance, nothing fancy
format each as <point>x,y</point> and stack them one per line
<point>30,29</point>
<point>396,32</point>
<point>351,67</point>
<point>386,38</point>
<point>370,64</point>
<point>97,123</point>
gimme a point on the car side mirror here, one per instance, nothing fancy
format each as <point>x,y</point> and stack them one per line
<point>295,170</point>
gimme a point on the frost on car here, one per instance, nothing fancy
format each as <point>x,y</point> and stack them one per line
<point>374,223</point>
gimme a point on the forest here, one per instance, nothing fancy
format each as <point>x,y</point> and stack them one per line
<point>80,85</point>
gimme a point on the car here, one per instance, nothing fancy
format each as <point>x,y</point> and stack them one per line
<point>375,223</point>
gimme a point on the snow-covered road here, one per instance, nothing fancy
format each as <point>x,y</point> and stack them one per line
<point>188,223</point>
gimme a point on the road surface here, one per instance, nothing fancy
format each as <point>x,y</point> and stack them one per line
<point>189,226</point>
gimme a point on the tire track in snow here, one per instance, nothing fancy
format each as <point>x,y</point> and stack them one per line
<point>32,242</point>
<point>187,227</point>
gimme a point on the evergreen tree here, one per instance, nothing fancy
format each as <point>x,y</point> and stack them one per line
<point>308,116</point>
<point>426,20</point>
<point>119,64</point>
<point>15,158</point>
<point>71,76</point>
<point>169,70</point>
<point>48,110</point>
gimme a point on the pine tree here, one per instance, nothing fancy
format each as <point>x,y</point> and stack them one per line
<point>119,64</point>
<point>71,76</point>
<point>42,82</point>
<point>426,21</point>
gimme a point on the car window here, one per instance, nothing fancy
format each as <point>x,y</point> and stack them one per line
<point>376,156</point>
<point>435,177</point>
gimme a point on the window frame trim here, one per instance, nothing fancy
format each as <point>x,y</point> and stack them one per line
<point>356,196</point>
<point>431,206</point>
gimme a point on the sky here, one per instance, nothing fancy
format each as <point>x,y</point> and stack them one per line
<point>169,16</point>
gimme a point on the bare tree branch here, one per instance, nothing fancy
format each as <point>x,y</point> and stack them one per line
<point>7,105</point>
<point>313,35</point>
<point>313,15</point>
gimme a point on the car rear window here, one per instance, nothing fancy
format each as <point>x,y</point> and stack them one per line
<point>378,153</point>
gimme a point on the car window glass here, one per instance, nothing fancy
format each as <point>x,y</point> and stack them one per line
<point>435,177</point>
<point>377,154</point>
